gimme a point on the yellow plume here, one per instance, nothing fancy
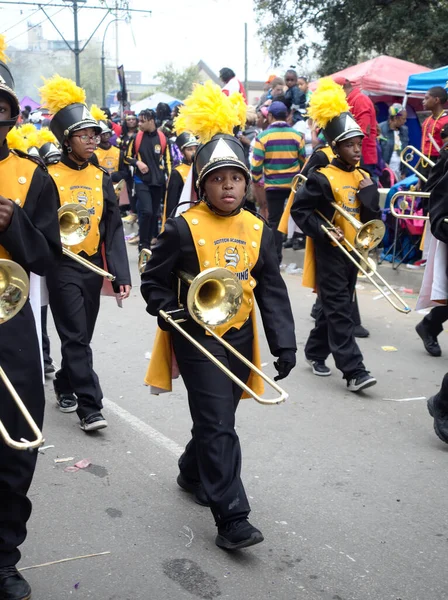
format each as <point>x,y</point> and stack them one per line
<point>46,136</point>
<point>59,92</point>
<point>97,113</point>
<point>27,129</point>
<point>240,106</point>
<point>3,46</point>
<point>327,102</point>
<point>207,111</point>
<point>16,141</point>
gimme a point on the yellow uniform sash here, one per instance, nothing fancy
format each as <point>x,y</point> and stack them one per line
<point>183,169</point>
<point>231,242</point>
<point>16,174</point>
<point>86,188</point>
<point>344,186</point>
<point>283,225</point>
<point>109,159</point>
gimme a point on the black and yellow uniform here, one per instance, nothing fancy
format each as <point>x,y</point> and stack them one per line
<point>32,240</point>
<point>327,269</point>
<point>192,242</point>
<point>74,290</point>
<point>176,184</point>
<point>197,240</point>
<point>109,157</point>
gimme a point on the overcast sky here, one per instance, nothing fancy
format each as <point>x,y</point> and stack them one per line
<point>178,31</point>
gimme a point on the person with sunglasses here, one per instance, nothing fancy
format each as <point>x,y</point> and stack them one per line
<point>74,289</point>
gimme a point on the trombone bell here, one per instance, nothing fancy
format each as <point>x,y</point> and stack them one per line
<point>74,223</point>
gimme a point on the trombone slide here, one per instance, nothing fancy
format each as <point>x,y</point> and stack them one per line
<point>86,263</point>
<point>22,444</point>
<point>407,155</point>
<point>283,395</point>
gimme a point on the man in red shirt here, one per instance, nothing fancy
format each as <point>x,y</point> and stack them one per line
<point>363,109</point>
<point>433,101</point>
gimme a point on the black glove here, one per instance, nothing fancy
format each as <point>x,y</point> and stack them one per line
<point>285,363</point>
<point>178,314</point>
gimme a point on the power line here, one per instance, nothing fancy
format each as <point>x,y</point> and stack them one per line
<point>21,21</point>
<point>36,25</point>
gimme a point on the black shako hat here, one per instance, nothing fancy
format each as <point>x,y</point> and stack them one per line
<point>223,150</point>
<point>50,153</point>
<point>186,140</point>
<point>7,88</point>
<point>342,127</point>
<point>70,119</point>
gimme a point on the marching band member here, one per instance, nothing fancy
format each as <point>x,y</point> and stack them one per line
<point>74,289</point>
<point>438,213</point>
<point>333,274</point>
<point>187,144</point>
<point>29,235</point>
<point>434,100</point>
<point>217,231</point>
<point>109,156</point>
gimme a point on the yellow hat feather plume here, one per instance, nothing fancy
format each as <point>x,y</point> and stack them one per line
<point>59,92</point>
<point>16,141</point>
<point>327,102</point>
<point>97,113</point>
<point>207,112</point>
<point>45,136</point>
<point>3,46</point>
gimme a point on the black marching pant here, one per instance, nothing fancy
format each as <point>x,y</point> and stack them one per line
<point>356,316</point>
<point>20,358</point>
<point>435,319</point>
<point>75,301</point>
<point>334,327</point>
<point>276,200</point>
<point>213,455</point>
<point>148,208</point>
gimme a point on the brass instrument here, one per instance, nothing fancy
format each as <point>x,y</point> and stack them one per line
<point>14,289</point>
<point>143,257</point>
<point>214,297</point>
<point>119,186</point>
<point>368,236</point>
<point>404,205</point>
<point>74,223</point>
<point>297,181</point>
<point>407,156</point>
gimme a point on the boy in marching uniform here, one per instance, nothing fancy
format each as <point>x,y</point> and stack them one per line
<point>217,232</point>
<point>187,144</point>
<point>75,289</point>
<point>29,235</point>
<point>327,269</point>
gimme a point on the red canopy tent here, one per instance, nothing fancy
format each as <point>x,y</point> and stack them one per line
<point>383,75</point>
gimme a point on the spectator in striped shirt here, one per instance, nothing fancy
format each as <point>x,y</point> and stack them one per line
<point>279,154</point>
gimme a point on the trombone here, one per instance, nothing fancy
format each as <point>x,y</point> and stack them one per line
<point>404,205</point>
<point>407,156</point>
<point>74,223</point>
<point>214,298</point>
<point>14,289</point>
<point>368,236</point>
<point>143,257</point>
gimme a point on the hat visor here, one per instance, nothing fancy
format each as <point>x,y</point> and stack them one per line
<point>219,164</point>
<point>347,135</point>
<point>87,124</point>
<point>190,144</point>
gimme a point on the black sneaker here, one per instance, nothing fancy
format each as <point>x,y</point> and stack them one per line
<point>49,369</point>
<point>319,368</point>
<point>314,311</point>
<point>193,487</point>
<point>67,403</point>
<point>287,243</point>
<point>361,382</point>
<point>12,585</point>
<point>440,419</point>
<point>93,422</point>
<point>361,332</point>
<point>238,534</point>
<point>429,341</point>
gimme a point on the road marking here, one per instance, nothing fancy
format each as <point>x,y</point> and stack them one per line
<point>138,425</point>
<point>404,399</point>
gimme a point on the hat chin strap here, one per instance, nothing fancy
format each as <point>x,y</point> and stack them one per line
<point>9,122</point>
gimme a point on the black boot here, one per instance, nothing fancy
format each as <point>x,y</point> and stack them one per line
<point>238,534</point>
<point>438,409</point>
<point>12,585</point>
<point>193,487</point>
<point>429,341</point>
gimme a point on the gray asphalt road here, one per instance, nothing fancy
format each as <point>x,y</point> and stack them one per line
<point>349,491</point>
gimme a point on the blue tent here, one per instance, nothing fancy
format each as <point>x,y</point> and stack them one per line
<point>421,82</point>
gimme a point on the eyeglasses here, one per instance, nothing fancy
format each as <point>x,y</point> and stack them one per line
<point>85,139</point>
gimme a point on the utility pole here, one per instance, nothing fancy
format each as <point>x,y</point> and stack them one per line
<point>76,49</point>
<point>245,58</point>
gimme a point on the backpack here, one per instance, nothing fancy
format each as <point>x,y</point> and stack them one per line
<point>139,137</point>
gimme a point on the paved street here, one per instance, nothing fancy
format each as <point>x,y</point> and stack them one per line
<point>349,490</point>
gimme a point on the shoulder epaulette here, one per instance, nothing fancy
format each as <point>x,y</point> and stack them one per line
<point>38,161</point>
<point>100,168</point>
<point>256,215</point>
